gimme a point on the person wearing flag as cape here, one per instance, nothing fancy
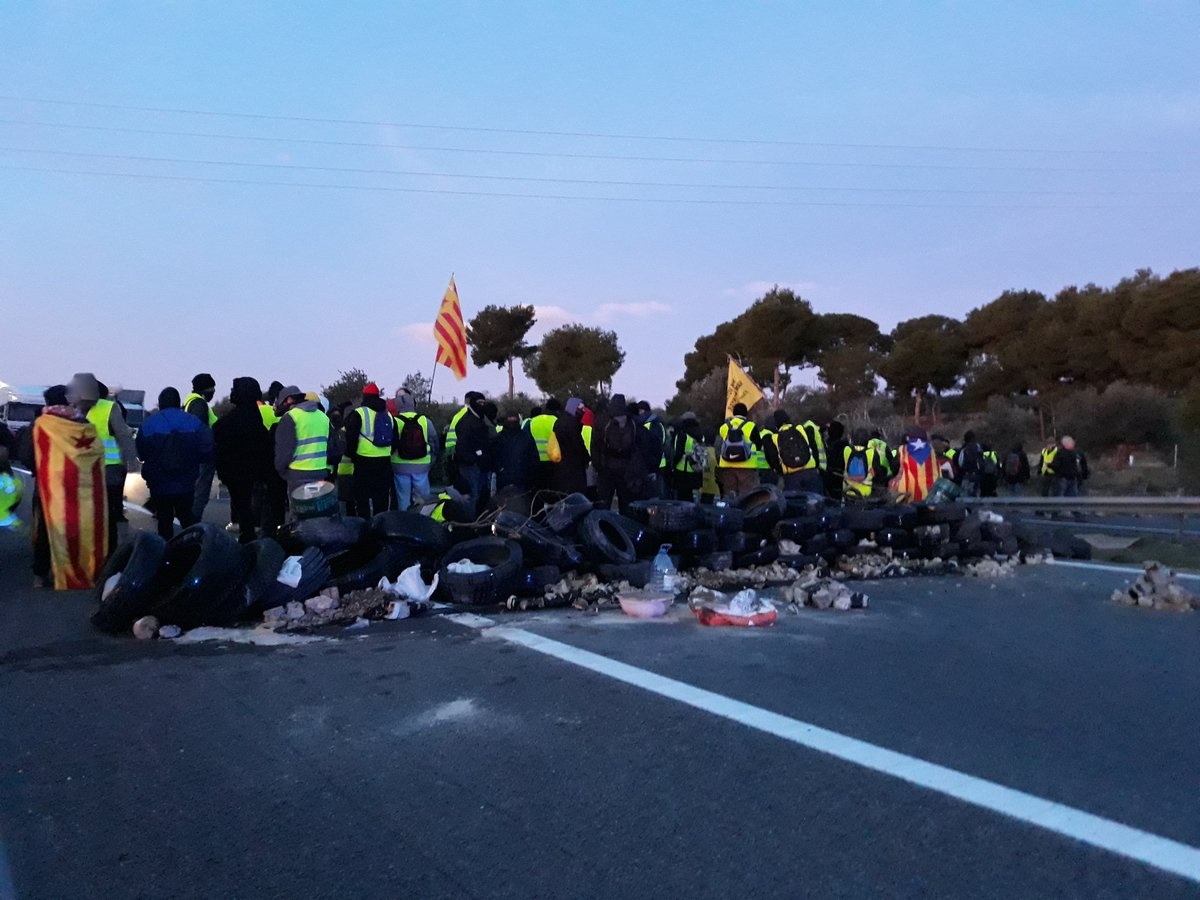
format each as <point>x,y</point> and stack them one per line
<point>916,466</point>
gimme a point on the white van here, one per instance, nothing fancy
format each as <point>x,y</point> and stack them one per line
<point>20,404</point>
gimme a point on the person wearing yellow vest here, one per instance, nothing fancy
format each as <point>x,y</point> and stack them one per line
<point>798,462</point>
<point>660,445</point>
<point>413,451</point>
<point>451,441</point>
<point>883,453</point>
<point>860,465</point>
<point>737,471</point>
<point>541,429</point>
<point>302,440</point>
<point>370,434</point>
<point>685,458</point>
<point>1046,466</point>
<point>90,398</point>
<point>197,403</point>
<point>766,457</point>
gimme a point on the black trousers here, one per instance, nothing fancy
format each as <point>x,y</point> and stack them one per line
<point>169,507</point>
<point>241,508</point>
<point>116,512</point>
<point>621,485</point>
<point>372,485</point>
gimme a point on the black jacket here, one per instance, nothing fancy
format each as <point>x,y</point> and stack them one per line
<point>570,475</point>
<point>245,449</point>
<point>515,458</point>
<point>474,447</point>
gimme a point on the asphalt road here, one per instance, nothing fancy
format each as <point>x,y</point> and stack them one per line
<point>425,758</point>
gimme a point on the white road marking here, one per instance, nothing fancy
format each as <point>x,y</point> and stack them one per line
<point>1123,840</point>
<point>1115,570</point>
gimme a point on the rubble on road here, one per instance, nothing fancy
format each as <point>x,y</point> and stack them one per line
<point>1157,587</point>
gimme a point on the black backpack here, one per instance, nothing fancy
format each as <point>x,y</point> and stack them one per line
<point>987,465</point>
<point>412,443</point>
<point>619,440</point>
<point>1012,466</point>
<point>794,452</point>
<point>734,448</point>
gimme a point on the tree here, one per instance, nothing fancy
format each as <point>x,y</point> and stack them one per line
<point>575,360</point>
<point>497,337</point>
<point>851,349</point>
<point>419,386</point>
<point>705,397</point>
<point>928,354</point>
<point>776,333</point>
<point>347,388</point>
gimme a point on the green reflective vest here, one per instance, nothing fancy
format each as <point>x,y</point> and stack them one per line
<point>687,462</point>
<point>268,415</point>
<point>452,433</point>
<point>366,447</point>
<point>541,427</point>
<point>192,398</point>
<point>312,440</point>
<point>883,452</point>
<point>99,415</point>
<point>749,433</point>
<point>859,488</point>
<point>816,443</point>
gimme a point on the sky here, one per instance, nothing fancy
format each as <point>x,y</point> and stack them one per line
<point>284,190</point>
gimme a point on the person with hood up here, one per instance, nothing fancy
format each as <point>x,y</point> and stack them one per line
<point>616,453</point>
<point>120,454</point>
<point>173,445</point>
<point>244,453</point>
<point>303,449</point>
<point>25,454</point>
<point>569,474</point>
<point>413,451</point>
<point>516,456</point>
<point>836,444</point>
<point>686,458</point>
<point>472,450</point>
<point>656,485</point>
<point>199,404</point>
<point>799,461</point>
<point>370,433</point>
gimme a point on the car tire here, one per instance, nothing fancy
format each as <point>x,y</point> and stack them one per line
<point>202,567</point>
<point>504,560</point>
<point>134,565</point>
<point>411,530</point>
<point>798,530</point>
<point>540,544</point>
<point>329,534</point>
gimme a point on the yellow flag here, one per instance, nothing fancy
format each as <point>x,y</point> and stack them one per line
<point>741,389</point>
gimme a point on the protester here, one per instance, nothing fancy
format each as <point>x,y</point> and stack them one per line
<point>370,434</point>
<point>70,463</point>
<point>657,462</point>
<point>835,451</point>
<point>198,403</point>
<point>989,471</point>
<point>969,461</point>
<point>172,446</point>
<point>616,456</point>
<point>413,451</point>
<point>12,489</point>
<point>860,467</point>
<point>1068,470</point>
<point>244,454</point>
<point>569,474</point>
<point>797,460</point>
<point>120,454</point>
<point>472,451</point>
<point>515,456</point>
<point>1016,471</point>
<point>737,470</point>
<point>916,467</point>
<point>686,458</point>
<point>303,450</point>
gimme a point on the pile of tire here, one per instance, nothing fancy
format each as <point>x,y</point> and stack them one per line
<point>202,576</point>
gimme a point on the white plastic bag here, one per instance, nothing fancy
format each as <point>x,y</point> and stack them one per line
<point>289,572</point>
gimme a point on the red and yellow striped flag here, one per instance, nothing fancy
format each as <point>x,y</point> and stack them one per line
<point>451,334</point>
<point>70,480</point>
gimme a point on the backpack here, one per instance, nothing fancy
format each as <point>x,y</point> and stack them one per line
<point>734,448</point>
<point>175,458</point>
<point>381,434</point>
<point>412,444</point>
<point>794,452</point>
<point>987,466</point>
<point>619,440</point>
<point>1012,467</point>
<point>856,466</point>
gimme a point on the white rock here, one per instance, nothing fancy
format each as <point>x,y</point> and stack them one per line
<point>145,628</point>
<point>275,615</point>
<point>169,632</point>
<point>294,610</point>
<point>320,605</point>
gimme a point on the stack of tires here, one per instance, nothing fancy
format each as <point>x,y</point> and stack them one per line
<point>202,576</point>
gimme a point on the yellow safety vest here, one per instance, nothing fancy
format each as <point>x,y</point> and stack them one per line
<point>685,461</point>
<point>760,449</point>
<point>541,427</point>
<point>748,432</point>
<point>345,464</point>
<point>861,488</point>
<point>883,452</point>
<point>708,481</point>
<point>193,397</point>
<point>586,431</point>
<point>312,440</point>
<point>99,415</point>
<point>424,423</point>
<point>649,426</point>
<point>452,433</point>
<point>1048,456</point>
<point>268,415</point>
<point>365,446</point>
<point>816,443</point>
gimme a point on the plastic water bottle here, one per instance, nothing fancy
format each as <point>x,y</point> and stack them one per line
<point>664,571</point>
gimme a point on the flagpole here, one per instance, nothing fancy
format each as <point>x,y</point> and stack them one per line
<point>432,376</point>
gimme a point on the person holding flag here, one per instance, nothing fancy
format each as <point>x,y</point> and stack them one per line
<point>737,469</point>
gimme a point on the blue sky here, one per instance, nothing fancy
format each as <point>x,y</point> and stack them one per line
<point>915,158</point>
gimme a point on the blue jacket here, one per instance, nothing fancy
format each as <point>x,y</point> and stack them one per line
<point>192,446</point>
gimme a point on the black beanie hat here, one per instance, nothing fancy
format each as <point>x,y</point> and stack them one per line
<point>168,398</point>
<point>203,382</point>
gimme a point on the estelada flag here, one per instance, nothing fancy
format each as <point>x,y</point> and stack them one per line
<point>740,389</point>
<point>451,334</point>
<point>70,482</point>
<point>917,469</point>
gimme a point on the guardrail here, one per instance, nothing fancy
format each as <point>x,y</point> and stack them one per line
<point>1154,506</point>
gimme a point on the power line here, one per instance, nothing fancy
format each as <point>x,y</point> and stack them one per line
<point>696,201</point>
<point>528,132</point>
<point>585,181</point>
<point>540,154</point>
